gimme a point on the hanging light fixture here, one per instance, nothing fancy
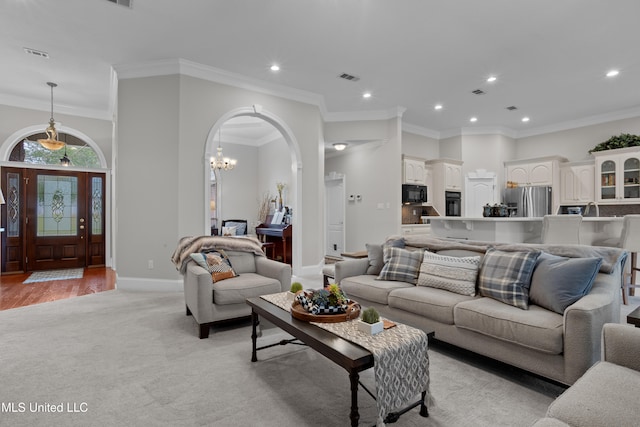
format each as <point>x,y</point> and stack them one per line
<point>64,160</point>
<point>219,162</point>
<point>51,143</point>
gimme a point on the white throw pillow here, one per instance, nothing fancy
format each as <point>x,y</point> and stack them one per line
<point>229,231</point>
<point>451,273</point>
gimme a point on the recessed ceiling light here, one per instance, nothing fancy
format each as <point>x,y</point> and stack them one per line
<point>275,67</point>
<point>473,119</point>
<point>525,119</point>
<point>366,95</point>
<point>613,73</point>
<point>339,146</point>
<point>492,79</point>
<point>438,107</point>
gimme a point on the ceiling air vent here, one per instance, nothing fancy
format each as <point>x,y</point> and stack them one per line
<point>478,92</point>
<point>349,77</point>
<point>126,3</point>
<point>34,52</point>
<point>513,107</point>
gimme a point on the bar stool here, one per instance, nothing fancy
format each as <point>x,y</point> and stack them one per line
<point>629,241</point>
<point>561,229</point>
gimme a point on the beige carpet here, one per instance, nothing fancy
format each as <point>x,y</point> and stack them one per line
<point>128,358</point>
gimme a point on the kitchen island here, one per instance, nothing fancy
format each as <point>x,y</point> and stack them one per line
<point>519,230</point>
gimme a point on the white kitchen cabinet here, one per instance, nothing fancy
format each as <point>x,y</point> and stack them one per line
<point>618,175</point>
<point>538,173</point>
<point>446,175</point>
<point>414,171</point>
<point>577,183</point>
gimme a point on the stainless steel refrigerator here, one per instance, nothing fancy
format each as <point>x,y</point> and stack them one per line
<point>528,201</point>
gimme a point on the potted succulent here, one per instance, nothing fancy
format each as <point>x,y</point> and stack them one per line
<point>295,288</point>
<point>370,322</point>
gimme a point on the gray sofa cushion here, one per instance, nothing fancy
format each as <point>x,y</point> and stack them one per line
<point>400,264</point>
<point>432,303</point>
<point>370,288</point>
<point>236,290</point>
<point>558,282</point>
<point>605,395</point>
<point>376,260</point>
<point>242,262</point>
<point>536,328</point>
<point>506,276</point>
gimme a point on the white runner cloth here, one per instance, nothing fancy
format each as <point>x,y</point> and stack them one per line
<point>401,366</point>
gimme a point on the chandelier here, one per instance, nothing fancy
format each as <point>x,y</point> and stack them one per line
<point>51,143</point>
<point>219,162</point>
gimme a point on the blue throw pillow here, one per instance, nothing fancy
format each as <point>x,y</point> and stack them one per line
<point>558,282</point>
<point>506,276</point>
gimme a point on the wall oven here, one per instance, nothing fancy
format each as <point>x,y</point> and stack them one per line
<point>453,203</point>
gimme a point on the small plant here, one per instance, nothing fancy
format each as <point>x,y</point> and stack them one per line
<point>320,297</point>
<point>370,315</point>
<point>336,297</point>
<point>295,287</point>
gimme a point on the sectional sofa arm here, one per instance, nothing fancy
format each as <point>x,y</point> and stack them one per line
<point>350,268</point>
<point>275,270</point>
<point>198,292</point>
<point>622,345</point>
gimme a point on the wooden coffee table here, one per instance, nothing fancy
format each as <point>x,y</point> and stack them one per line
<point>634,317</point>
<point>345,354</point>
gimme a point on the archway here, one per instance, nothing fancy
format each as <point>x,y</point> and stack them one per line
<point>296,169</point>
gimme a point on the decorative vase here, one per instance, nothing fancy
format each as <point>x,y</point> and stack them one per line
<point>370,328</point>
<point>280,201</point>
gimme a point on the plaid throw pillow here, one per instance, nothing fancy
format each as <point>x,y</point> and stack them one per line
<point>506,276</point>
<point>400,265</point>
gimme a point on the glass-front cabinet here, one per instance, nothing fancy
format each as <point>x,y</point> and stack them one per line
<point>618,178</point>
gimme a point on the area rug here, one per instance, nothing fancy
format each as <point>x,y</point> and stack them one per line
<point>134,358</point>
<point>63,274</point>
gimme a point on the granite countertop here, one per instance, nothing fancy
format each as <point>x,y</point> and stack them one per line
<point>519,219</point>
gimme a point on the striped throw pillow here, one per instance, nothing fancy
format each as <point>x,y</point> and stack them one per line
<point>506,276</point>
<point>451,273</point>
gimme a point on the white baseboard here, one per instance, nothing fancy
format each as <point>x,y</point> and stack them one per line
<point>150,285</point>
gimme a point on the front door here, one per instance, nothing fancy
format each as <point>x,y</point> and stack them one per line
<point>53,219</point>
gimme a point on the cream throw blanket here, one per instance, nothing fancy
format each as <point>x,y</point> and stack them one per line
<point>194,244</point>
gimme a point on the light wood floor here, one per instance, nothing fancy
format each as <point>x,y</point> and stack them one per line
<point>14,293</point>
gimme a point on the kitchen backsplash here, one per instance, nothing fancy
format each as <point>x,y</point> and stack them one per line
<point>411,213</point>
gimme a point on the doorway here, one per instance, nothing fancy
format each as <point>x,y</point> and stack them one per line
<point>52,219</point>
<point>334,215</point>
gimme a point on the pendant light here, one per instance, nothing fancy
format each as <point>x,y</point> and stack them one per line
<point>219,162</point>
<point>51,143</point>
<point>65,161</point>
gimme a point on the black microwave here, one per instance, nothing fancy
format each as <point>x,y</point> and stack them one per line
<point>414,193</point>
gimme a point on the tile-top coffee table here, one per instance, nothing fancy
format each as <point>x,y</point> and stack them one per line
<point>352,357</point>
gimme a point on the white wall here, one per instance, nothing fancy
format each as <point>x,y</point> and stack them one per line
<point>274,166</point>
<point>13,119</point>
<point>420,146</point>
<point>161,175</point>
<point>574,144</point>
<point>487,152</point>
<point>451,148</point>
<point>373,172</point>
<point>237,195</point>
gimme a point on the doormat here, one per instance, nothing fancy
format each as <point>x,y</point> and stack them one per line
<point>63,274</point>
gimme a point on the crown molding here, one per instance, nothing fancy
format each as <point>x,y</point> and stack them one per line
<point>350,116</point>
<point>419,130</point>
<point>31,104</point>
<point>583,122</point>
<point>193,69</point>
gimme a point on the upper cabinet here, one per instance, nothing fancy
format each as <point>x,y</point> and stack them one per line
<point>536,173</point>
<point>447,174</point>
<point>577,183</point>
<point>414,171</point>
<point>618,175</point>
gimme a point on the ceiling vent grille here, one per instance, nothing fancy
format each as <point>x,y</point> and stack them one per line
<point>513,107</point>
<point>35,52</point>
<point>349,77</point>
<point>126,3</point>
<point>478,92</point>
